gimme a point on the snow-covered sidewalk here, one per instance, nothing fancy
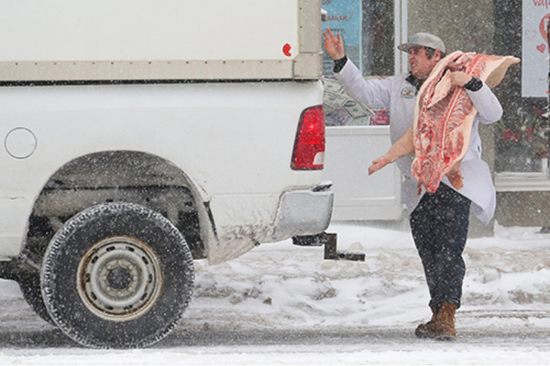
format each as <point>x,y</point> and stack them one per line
<point>283,304</point>
<point>281,285</point>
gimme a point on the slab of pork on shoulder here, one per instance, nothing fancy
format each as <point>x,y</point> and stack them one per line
<point>444,116</point>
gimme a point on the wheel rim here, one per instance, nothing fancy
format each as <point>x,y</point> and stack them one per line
<point>119,278</point>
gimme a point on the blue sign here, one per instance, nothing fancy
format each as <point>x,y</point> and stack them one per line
<point>345,17</point>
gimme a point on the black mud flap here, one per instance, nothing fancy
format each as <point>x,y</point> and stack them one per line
<point>329,240</point>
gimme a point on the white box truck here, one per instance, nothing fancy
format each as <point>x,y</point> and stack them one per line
<point>141,135</point>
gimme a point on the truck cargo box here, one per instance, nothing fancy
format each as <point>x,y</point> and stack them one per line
<point>104,40</point>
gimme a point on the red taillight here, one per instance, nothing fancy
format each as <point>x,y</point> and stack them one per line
<point>309,147</point>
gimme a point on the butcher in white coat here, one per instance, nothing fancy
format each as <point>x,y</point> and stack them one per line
<point>439,221</point>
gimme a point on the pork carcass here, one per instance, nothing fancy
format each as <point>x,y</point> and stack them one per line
<point>444,116</point>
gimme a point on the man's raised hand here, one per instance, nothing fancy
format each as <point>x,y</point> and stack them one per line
<point>333,45</point>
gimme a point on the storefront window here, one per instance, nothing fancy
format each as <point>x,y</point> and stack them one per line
<point>521,137</point>
<point>367,28</point>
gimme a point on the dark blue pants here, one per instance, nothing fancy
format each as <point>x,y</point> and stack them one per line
<point>439,226</point>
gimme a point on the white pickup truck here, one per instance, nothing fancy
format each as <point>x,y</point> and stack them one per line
<point>141,135</point>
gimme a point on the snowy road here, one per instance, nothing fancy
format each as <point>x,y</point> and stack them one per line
<point>46,345</point>
<point>281,304</point>
<point>280,346</point>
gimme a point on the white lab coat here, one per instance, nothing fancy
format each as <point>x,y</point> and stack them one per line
<point>398,96</point>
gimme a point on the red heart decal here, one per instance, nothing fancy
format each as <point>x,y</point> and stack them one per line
<point>541,47</point>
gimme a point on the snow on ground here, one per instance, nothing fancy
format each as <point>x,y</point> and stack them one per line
<point>283,304</point>
<point>294,286</point>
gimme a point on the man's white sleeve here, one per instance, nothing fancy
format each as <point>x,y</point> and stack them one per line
<point>374,93</point>
<point>487,104</point>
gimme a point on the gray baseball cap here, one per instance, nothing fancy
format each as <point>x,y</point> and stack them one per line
<point>423,40</point>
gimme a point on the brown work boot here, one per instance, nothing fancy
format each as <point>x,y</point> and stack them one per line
<point>445,322</point>
<point>426,330</point>
<point>442,324</point>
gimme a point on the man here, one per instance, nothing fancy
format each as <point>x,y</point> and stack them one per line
<point>439,221</point>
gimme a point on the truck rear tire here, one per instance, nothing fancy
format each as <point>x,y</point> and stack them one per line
<point>117,275</point>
